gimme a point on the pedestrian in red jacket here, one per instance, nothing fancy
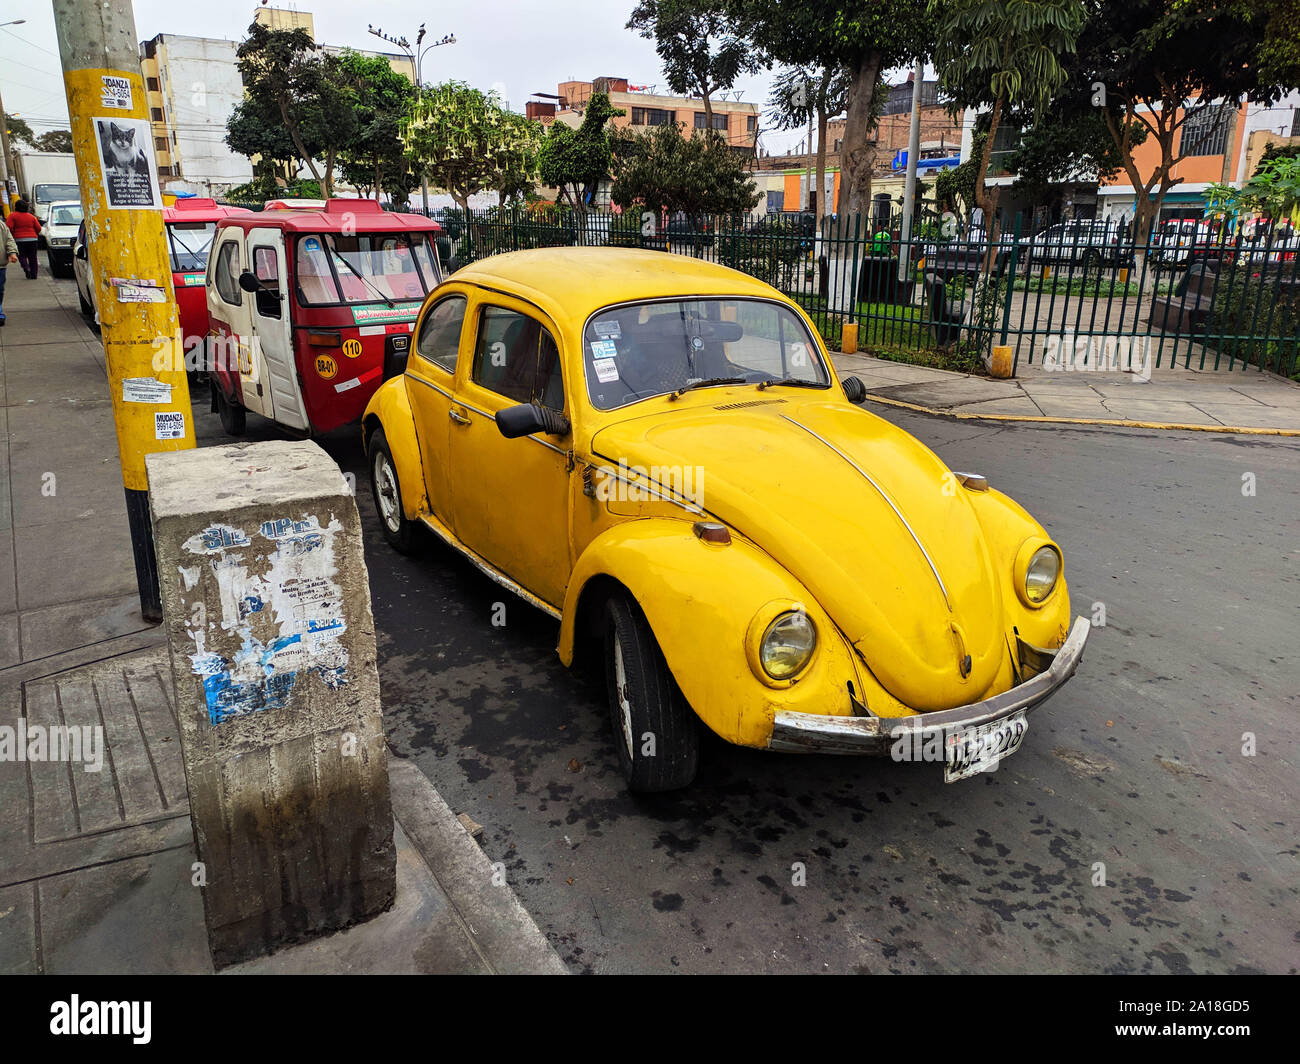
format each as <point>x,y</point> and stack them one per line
<point>26,228</point>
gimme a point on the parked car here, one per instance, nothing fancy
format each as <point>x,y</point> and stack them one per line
<point>1086,242</point>
<point>656,451</point>
<point>85,280</point>
<point>689,232</point>
<point>63,222</point>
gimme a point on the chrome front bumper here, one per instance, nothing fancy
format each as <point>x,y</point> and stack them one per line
<point>812,733</point>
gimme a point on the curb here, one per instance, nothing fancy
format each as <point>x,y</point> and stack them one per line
<point>496,924</point>
<point>1172,426</point>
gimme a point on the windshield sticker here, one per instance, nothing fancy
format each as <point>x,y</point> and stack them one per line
<point>311,244</point>
<point>374,313</point>
<point>606,370</point>
<point>608,330</point>
<point>603,349</point>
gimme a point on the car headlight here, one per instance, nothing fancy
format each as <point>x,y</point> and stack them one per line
<point>59,241</point>
<point>1041,574</point>
<point>787,645</point>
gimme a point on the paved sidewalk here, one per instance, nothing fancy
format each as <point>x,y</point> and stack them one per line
<point>1243,399</point>
<point>95,866</point>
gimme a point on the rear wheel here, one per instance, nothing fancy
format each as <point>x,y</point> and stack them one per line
<point>233,416</point>
<point>655,731</point>
<point>387,492</point>
<point>86,308</point>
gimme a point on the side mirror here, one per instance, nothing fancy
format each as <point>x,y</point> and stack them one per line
<point>248,281</point>
<point>527,418</point>
<point>854,389</point>
<point>81,251</point>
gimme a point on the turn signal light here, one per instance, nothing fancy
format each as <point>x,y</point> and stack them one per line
<point>324,338</point>
<point>712,532</point>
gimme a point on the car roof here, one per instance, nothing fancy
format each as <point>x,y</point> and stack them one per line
<point>339,215</point>
<point>574,283</point>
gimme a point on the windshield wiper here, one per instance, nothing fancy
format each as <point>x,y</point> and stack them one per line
<point>708,382</point>
<point>792,382</point>
<point>335,252</point>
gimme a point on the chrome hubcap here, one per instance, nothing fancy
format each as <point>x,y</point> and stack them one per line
<point>386,493</point>
<point>620,691</point>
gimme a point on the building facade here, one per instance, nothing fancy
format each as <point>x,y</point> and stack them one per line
<point>737,122</point>
<point>193,86</point>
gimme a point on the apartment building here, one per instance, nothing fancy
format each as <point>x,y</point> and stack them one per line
<point>193,85</point>
<point>736,121</point>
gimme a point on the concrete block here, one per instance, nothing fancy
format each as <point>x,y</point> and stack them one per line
<point>267,612</point>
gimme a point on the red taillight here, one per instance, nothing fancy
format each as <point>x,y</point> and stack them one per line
<point>712,532</point>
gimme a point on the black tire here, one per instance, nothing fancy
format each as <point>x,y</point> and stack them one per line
<point>234,417</point>
<point>386,491</point>
<point>650,701</point>
<point>86,308</point>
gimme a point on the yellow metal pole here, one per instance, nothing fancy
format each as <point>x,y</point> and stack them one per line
<point>129,262</point>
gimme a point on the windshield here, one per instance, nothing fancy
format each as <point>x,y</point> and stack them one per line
<point>364,268</point>
<point>635,352</point>
<point>190,244</point>
<point>69,215</point>
<point>54,193</point>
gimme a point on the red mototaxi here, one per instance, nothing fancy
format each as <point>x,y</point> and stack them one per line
<point>191,223</point>
<point>336,294</point>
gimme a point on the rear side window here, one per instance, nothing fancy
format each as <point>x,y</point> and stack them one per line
<point>439,339</point>
<point>516,356</point>
<point>227,273</point>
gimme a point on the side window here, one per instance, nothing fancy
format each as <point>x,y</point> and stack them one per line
<point>516,357</point>
<point>228,273</point>
<point>439,339</point>
<point>267,270</point>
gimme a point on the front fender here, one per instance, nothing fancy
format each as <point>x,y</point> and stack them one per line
<point>390,409</point>
<point>700,600</point>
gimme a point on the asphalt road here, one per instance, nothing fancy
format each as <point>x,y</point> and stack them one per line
<point>1137,764</point>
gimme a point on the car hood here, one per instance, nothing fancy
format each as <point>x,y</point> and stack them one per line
<point>863,515</point>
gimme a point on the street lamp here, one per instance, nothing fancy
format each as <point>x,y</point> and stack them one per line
<point>417,61</point>
<point>4,137</point>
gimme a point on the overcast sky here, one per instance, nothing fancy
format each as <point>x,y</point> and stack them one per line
<point>517,46</point>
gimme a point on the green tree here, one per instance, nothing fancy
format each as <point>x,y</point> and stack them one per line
<point>866,38</point>
<point>576,161</point>
<point>698,42</point>
<point>282,71</point>
<point>1064,142</point>
<point>662,171</point>
<point>1143,60</point>
<point>795,94</point>
<point>254,129</point>
<point>463,141</point>
<point>55,140</point>
<point>1006,55</point>
<point>19,131</point>
<point>375,158</point>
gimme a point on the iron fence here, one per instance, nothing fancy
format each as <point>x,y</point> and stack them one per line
<point>1076,295</point>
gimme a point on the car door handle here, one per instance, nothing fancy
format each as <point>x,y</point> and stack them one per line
<point>460,419</point>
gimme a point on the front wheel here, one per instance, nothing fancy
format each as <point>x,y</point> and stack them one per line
<point>387,492</point>
<point>233,416</point>
<point>655,730</point>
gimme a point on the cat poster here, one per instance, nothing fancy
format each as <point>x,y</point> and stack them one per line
<point>126,154</point>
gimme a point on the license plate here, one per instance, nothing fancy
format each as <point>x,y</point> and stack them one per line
<point>974,750</point>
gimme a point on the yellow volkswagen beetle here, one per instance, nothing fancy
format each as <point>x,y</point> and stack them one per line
<point>657,452</point>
